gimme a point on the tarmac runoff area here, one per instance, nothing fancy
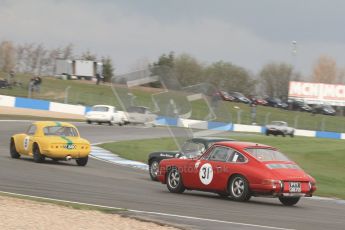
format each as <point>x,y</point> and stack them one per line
<point>102,183</point>
<point>18,213</point>
<point>38,113</point>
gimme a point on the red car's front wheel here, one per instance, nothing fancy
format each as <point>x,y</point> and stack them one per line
<point>174,181</point>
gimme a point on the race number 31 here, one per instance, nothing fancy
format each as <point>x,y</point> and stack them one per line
<point>206,174</point>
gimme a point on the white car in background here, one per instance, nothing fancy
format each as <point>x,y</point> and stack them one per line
<point>105,114</point>
<point>140,115</point>
<point>279,128</point>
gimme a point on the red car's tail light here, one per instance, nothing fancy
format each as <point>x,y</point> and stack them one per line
<point>273,183</point>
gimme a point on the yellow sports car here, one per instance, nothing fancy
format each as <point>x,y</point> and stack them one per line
<point>55,140</point>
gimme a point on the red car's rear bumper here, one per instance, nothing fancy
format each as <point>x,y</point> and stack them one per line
<point>282,189</point>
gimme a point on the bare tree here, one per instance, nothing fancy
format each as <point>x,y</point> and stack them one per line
<point>67,52</point>
<point>20,52</point>
<point>89,56</point>
<point>229,77</point>
<point>188,70</point>
<point>7,56</point>
<point>275,78</point>
<point>325,70</point>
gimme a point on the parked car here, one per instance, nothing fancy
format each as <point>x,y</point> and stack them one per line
<point>277,103</point>
<point>239,170</point>
<point>191,148</point>
<point>225,96</point>
<point>279,128</point>
<point>140,115</point>
<point>300,106</point>
<point>239,97</point>
<point>324,109</point>
<point>48,139</point>
<point>4,84</point>
<point>258,100</point>
<point>105,114</point>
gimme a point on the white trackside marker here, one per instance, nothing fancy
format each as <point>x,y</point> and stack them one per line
<point>26,143</point>
<point>206,174</point>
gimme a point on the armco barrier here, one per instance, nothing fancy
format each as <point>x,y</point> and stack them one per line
<point>219,126</point>
<point>28,103</point>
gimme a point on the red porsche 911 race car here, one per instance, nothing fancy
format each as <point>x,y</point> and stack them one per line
<point>239,170</point>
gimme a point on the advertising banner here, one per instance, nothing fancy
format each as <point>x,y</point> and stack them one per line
<point>317,93</point>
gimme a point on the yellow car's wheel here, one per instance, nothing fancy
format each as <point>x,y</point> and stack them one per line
<point>82,161</point>
<point>38,157</point>
<point>13,150</point>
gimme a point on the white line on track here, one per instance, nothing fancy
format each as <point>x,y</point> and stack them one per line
<point>148,212</point>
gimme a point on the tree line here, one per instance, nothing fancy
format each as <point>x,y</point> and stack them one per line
<point>272,80</point>
<point>36,59</point>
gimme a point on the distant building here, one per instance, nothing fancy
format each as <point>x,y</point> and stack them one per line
<point>78,69</point>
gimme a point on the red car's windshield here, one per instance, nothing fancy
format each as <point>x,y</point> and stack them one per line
<point>263,154</point>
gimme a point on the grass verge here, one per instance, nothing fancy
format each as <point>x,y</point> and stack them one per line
<point>322,158</point>
<point>35,118</point>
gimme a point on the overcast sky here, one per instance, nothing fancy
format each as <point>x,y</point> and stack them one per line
<point>244,32</point>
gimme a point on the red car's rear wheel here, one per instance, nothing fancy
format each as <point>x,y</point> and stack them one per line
<point>289,201</point>
<point>239,188</point>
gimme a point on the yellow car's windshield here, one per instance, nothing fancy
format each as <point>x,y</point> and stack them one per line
<point>60,131</point>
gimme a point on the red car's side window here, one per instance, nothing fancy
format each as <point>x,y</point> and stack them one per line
<point>238,158</point>
<point>220,153</point>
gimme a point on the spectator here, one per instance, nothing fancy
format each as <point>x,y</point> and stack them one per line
<point>37,84</point>
<point>98,78</point>
<point>31,84</point>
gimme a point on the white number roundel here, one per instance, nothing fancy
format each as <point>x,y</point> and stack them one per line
<point>206,174</point>
<point>26,143</point>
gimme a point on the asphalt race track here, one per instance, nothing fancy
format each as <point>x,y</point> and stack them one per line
<point>117,186</point>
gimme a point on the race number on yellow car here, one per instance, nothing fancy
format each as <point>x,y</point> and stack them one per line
<point>55,140</point>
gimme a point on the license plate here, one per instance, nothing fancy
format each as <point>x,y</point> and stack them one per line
<point>70,146</point>
<point>295,187</point>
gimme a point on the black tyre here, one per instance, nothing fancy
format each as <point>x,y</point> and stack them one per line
<point>153,169</point>
<point>82,161</point>
<point>110,123</point>
<point>13,150</point>
<point>38,157</point>
<point>174,181</point>
<point>289,201</point>
<point>283,134</point>
<point>223,194</point>
<point>239,188</point>
<point>267,133</point>
<point>88,121</point>
<point>99,123</point>
<point>292,134</point>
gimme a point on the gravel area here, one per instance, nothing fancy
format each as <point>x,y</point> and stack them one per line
<point>20,214</point>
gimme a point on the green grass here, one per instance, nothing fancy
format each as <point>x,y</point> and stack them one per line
<point>324,159</point>
<point>87,93</point>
